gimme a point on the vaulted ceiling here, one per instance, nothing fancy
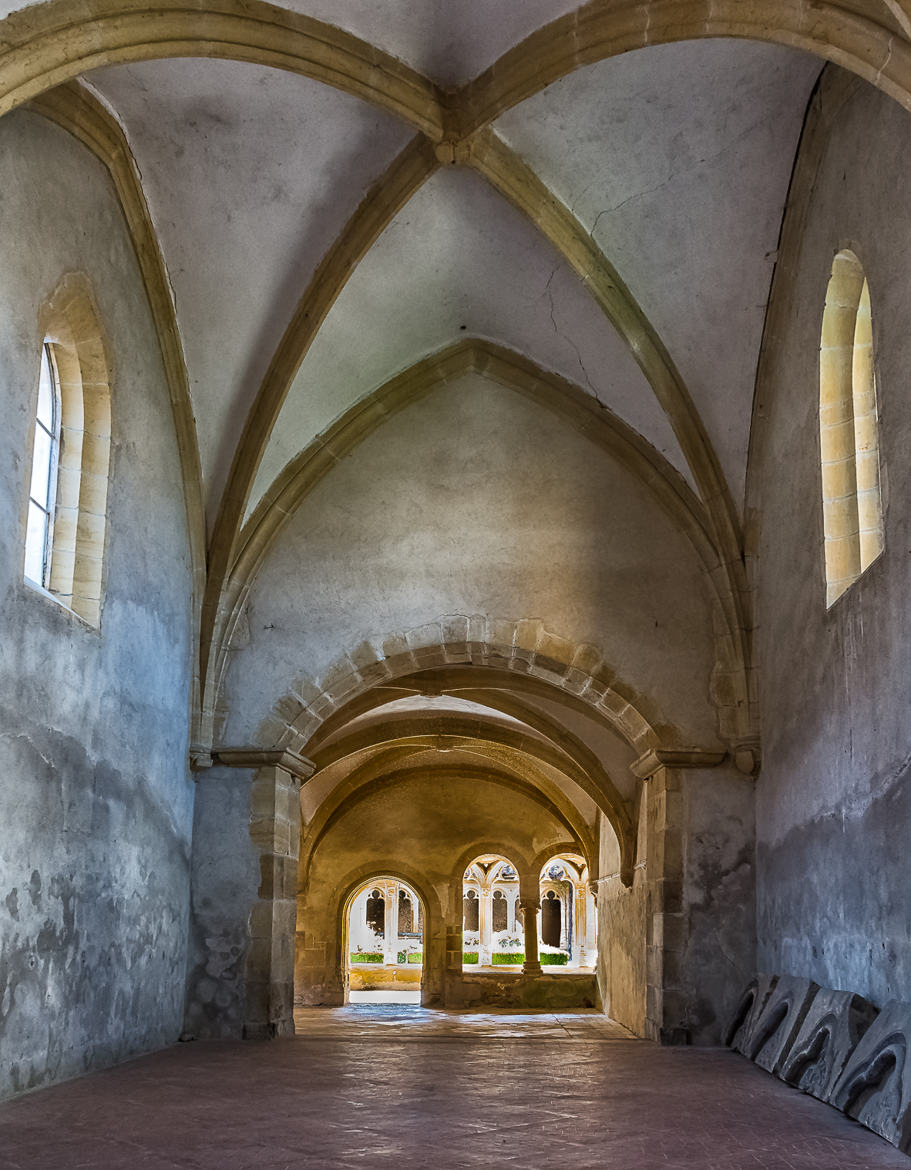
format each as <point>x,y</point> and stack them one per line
<point>674,160</point>
<point>334,192</point>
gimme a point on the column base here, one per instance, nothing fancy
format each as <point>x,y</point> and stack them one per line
<point>531,968</point>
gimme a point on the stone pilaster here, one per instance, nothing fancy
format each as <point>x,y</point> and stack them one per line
<point>275,834</point>
<point>698,847</point>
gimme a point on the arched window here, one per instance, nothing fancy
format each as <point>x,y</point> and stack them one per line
<point>375,912</point>
<point>849,444</point>
<point>470,911</point>
<point>71,452</point>
<point>42,496</point>
<point>500,914</point>
<point>551,919</point>
<point>406,914</point>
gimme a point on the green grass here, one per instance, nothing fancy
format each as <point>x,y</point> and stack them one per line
<point>505,958</point>
<point>402,957</point>
<point>554,960</point>
<point>469,956</point>
<point>367,957</point>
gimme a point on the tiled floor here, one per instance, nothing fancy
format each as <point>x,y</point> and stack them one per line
<point>399,1086</point>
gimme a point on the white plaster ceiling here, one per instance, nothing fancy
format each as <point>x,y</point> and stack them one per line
<point>449,42</point>
<point>249,173</point>
<point>677,159</point>
<point>459,262</point>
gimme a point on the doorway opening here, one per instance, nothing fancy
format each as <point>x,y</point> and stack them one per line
<point>568,926</point>
<point>384,958</point>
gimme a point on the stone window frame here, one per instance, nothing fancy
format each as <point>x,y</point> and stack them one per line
<point>75,563</point>
<point>848,429</point>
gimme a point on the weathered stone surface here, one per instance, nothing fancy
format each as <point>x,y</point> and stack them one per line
<point>875,1086</point>
<point>834,798</point>
<point>779,1021</point>
<point>832,1028</point>
<point>737,1017</point>
<point>96,804</point>
<point>562,992</point>
<point>742,1037</point>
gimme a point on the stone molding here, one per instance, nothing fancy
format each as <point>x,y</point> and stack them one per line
<point>52,43</point>
<point>252,757</point>
<point>655,759</point>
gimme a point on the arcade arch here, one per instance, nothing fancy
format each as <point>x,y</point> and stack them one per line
<point>383,956</point>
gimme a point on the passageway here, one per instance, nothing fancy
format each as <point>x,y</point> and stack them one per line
<point>408,1087</point>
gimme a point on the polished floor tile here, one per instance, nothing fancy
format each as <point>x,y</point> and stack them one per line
<point>393,1085</point>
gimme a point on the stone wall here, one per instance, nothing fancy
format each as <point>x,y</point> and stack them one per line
<point>622,929</point>
<point>95,800</point>
<point>476,501</point>
<point>834,808</point>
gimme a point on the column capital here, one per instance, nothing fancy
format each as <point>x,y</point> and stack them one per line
<point>530,903</point>
<point>253,757</point>
<point>657,758</point>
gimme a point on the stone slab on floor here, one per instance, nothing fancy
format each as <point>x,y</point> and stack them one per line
<point>780,1020</point>
<point>831,1030</point>
<point>875,1086</point>
<point>742,1039</point>
<point>469,1098</point>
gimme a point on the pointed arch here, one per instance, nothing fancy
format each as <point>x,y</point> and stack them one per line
<point>71,332</point>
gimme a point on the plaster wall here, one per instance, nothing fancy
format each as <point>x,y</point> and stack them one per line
<point>476,501</point>
<point>716,953</point>
<point>95,802</point>
<point>622,929</point>
<point>225,879</point>
<point>833,801</point>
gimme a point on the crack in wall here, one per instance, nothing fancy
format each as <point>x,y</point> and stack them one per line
<point>563,336</point>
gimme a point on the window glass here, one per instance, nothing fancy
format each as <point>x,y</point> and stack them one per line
<point>44,473</point>
<point>35,543</point>
<point>46,394</point>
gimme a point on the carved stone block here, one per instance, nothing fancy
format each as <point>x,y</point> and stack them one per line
<point>875,1086</point>
<point>831,1030</point>
<point>777,1025</point>
<point>748,1010</point>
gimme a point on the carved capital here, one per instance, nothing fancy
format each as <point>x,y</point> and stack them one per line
<point>655,759</point>
<point>251,757</point>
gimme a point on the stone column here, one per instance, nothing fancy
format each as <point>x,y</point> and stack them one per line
<point>275,834</point>
<point>485,927</point>
<point>390,924</point>
<point>530,908</point>
<point>580,923</point>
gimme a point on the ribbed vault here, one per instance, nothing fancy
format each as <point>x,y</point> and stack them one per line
<point>241,477</point>
<point>422,727</point>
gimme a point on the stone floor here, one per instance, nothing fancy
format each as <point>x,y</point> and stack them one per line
<point>401,1086</point>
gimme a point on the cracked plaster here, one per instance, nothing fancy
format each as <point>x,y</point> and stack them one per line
<point>676,158</point>
<point>458,255</point>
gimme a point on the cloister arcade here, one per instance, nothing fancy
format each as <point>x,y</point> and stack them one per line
<point>494,920</point>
